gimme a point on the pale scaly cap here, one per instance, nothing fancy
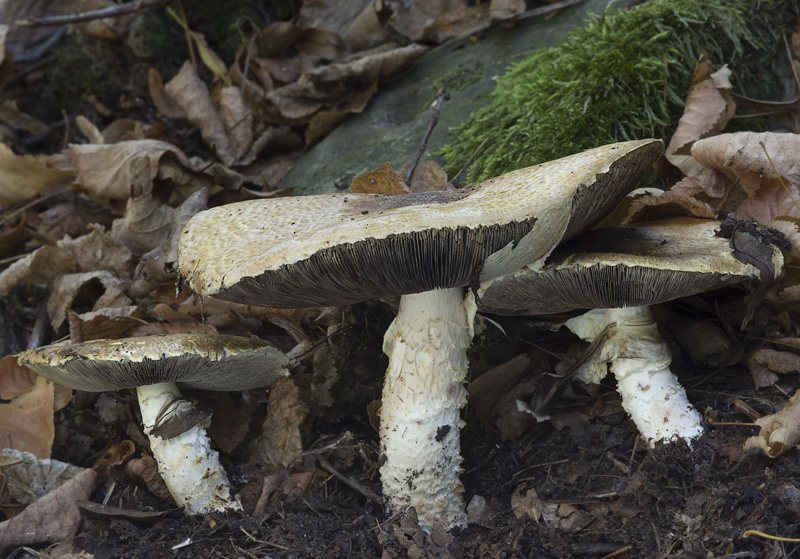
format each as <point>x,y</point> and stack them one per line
<point>203,361</point>
<point>337,249</point>
<point>628,266</point>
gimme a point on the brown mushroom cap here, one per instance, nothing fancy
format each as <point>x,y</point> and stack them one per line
<point>339,249</point>
<point>203,361</point>
<point>623,267</point>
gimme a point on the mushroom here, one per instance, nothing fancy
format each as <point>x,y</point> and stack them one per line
<point>155,366</point>
<point>338,249</point>
<point>618,272</point>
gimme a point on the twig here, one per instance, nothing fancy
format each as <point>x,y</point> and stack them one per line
<point>441,96</point>
<point>185,25</point>
<point>351,483</point>
<point>748,533</point>
<point>77,17</point>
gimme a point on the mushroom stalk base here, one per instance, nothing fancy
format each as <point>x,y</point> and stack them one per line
<point>421,408</point>
<point>640,360</point>
<point>189,466</point>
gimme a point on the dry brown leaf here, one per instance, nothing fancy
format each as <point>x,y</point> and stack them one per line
<point>26,422</point>
<point>428,177</point>
<point>457,22</point>
<point>67,286</point>
<point>119,171</point>
<point>89,130</point>
<point>52,518</point>
<point>145,226</point>
<point>161,99</point>
<point>665,205</point>
<point>231,419</point>
<point>765,364</point>
<point>24,176</point>
<point>145,470</point>
<point>115,455</point>
<point>280,442</point>
<point>27,478</point>
<point>486,390</point>
<point>98,250</point>
<point>564,517</point>
<point>740,157</point>
<point>325,377</point>
<point>709,106</point>
<point>158,265</point>
<point>384,180</point>
<point>189,92</point>
<point>500,10</point>
<point>17,120</point>
<point>238,119</point>
<point>296,103</point>
<point>113,28</point>
<point>16,380</point>
<point>780,432</point>
<point>42,266</point>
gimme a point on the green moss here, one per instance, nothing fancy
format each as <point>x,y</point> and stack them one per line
<point>623,75</point>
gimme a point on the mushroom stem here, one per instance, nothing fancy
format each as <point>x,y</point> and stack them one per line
<point>189,466</point>
<point>640,359</point>
<point>422,399</point>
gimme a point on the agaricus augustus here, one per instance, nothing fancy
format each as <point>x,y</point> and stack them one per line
<point>618,272</point>
<point>155,366</point>
<point>339,249</point>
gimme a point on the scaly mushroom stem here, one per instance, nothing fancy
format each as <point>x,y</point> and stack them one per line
<point>640,360</point>
<point>189,466</point>
<point>421,409</point>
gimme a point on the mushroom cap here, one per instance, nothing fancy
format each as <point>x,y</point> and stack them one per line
<point>203,361</point>
<point>336,249</point>
<point>628,266</point>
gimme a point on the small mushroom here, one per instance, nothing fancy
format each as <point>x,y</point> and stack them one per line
<point>339,249</point>
<point>155,366</point>
<point>618,272</point>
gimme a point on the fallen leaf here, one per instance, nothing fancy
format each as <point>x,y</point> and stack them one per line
<point>26,422</point>
<point>53,517</point>
<point>780,432</point>
<point>24,176</point>
<point>190,93</point>
<point>280,442</point>
<point>709,106</point>
<point>145,470</point>
<point>765,364</point>
<point>384,180</point>
<point>741,158</point>
<point>27,478</point>
<point>564,517</point>
<point>118,171</point>
<point>237,118</point>
<point>67,286</point>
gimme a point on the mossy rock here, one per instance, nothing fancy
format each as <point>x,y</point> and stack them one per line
<point>393,124</point>
<point>623,75</point>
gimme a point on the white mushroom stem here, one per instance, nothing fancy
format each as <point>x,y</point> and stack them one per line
<point>640,360</point>
<point>189,466</point>
<point>421,408</point>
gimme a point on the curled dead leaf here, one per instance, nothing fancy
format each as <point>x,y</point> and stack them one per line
<point>280,441</point>
<point>780,432</point>
<point>53,517</point>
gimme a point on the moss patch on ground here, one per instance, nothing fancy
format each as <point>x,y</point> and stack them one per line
<point>623,75</point>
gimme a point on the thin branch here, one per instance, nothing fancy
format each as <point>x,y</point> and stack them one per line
<point>441,96</point>
<point>77,17</point>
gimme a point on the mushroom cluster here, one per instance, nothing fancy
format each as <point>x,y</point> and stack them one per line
<point>338,249</point>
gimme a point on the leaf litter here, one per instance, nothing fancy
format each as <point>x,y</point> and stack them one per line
<point>92,228</point>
